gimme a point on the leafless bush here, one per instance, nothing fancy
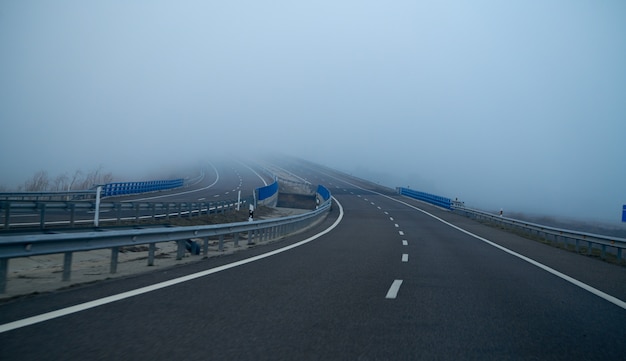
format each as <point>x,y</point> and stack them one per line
<point>40,182</point>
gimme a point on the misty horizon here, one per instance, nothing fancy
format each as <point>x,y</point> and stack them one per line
<point>513,105</point>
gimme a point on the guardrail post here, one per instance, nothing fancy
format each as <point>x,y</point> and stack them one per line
<point>114,256</point>
<point>180,250</point>
<point>236,239</point>
<point>42,215</point>
<point>205,246</point>
<point>221,243</point>
<point>250,242</point>
<point>72,213</point>
<point>67,266</point>
<point>136,205</point>
<point>7,211</point>
<point>4,272</point>
<point>151,249</point>
<point>96,214</point>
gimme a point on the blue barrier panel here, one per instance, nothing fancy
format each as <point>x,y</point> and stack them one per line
<point>267,191</point>
<point>427,197</point>
<point>324,192</point>
<point>624,213</point>
<point>123,188</point>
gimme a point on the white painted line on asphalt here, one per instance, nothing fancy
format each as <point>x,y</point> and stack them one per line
<point>393,290</point>
<point>405,242</point>
<point>391,218</point>
<point>372,203</point>
<point>614,300</point>
<point>387,213</point>
<point>103,301</point>
<point>401,233</point>
<point>378,207</point>
<point>397,225</point>
<point>405,257</point>
<point>255,172</point>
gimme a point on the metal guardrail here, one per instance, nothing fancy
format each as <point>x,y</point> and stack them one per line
<point>119,210</point>
<point>48,196</point>
<point>126,188</point>
<point>426,197</point>
<point>32,245</point>
<point>568,238</point>
<point>108,190</point>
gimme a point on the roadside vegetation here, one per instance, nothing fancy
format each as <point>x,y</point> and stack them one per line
<point>79,180</point>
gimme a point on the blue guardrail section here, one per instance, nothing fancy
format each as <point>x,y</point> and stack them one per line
<point>427,197</point>
<point>123,188</point>
<point>267,191</point>
<point>324,192</point>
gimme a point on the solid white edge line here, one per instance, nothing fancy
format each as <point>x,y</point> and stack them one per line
<point>614,300</point>
<point>393,290</point>
<point>103,301</point>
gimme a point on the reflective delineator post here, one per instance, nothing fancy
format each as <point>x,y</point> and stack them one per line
<point>238,199</point>
<point>96,215</point>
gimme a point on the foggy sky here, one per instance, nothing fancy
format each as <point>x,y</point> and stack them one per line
<point>505,104</point>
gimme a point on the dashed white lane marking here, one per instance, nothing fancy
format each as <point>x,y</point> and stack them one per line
<point>397,225</point>
<point>405,242</point>
<point>378,207</point>
<point>201,199</point>
<point>215,196</point>
<point>393,290</point>
<point>372,203</point>
<point>391,218</point>
<point>387,213</point>
<point>405,257</point>
<point>401,233</point>
<point>120,296</point>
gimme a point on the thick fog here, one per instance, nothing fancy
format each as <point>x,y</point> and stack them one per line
<point>517,105</point>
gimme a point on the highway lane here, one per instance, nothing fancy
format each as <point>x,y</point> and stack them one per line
<point>460,298</point>
<point>220,181</point>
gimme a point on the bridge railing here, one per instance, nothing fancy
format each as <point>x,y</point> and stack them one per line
<point>575,240</point>
<point>125,188</point>
<point>426,197</point>
<point>68,243</point>
<point>267,195</point>
<point>48,196</point>
<point>115,212</point>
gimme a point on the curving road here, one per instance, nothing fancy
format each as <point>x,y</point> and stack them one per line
<point>384,277</point>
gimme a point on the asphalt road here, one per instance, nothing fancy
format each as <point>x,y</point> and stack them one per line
<point>388,281</point>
